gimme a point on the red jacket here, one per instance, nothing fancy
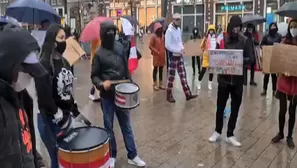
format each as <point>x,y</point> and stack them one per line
<point>287,84</point>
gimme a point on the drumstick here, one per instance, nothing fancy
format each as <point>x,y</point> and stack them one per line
<point>117,81</point>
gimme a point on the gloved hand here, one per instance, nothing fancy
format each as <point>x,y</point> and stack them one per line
<point>58,116</point>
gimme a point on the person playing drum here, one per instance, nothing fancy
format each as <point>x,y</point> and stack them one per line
<point>109,64</point>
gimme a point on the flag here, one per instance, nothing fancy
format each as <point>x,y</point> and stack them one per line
<point>128,30</point>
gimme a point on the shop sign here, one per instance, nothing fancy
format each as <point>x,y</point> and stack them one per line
<point>234,8</point>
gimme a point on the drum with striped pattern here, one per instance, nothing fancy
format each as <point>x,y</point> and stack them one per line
<point>126,95</point>
<point>84,147</point>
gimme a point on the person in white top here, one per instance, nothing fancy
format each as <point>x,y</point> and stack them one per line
<point>175,48</point>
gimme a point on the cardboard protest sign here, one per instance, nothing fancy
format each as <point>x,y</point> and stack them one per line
<point>267,55</point>
<point>227,62</point>
<point>284,59</point>
<point>73,51</point>
<point>192,48</point>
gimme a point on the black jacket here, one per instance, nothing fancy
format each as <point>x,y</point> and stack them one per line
<point>109,65</point>
<point>269,38</point>
<point>16,148</point>
<point>241,42</point>
<point>27,102</point>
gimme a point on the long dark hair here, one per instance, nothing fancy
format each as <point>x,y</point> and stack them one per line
<point>289,36</point>
<point>48,46</point>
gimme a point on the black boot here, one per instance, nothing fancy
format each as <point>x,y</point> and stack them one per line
<point>264,93</point>
<point>290,143</point>
<point>277,138</point>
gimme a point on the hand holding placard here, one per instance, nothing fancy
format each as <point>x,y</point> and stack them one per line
<point>227,62</point>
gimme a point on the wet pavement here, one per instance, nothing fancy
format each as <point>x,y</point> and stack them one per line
<point>176,135</point>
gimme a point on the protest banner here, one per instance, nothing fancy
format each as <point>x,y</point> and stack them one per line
<point>192,48</point>
<point>284,59</point>
<point>73,51</point>
<point>226,62</point>
<point>267,55</point>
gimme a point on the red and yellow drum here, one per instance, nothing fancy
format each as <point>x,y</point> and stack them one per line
<point>84,147</point>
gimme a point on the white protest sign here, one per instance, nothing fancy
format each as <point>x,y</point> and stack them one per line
<point>227,62</point>
<point>39,35</point>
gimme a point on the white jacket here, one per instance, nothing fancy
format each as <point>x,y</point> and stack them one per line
<point>173,39</point>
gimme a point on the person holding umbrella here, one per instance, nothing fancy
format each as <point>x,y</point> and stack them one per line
<point>287,91</point>
<point>269,39</point>
<point>254,36</point>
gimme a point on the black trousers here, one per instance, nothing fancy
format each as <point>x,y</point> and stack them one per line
<point>283,99</point>
<point>252,75</point>
<point>210,77</point>
<point>266,81</point>
<point>224,90</point>
<point>167,59</point>
<point>155,72</point>
<point>197,58</point>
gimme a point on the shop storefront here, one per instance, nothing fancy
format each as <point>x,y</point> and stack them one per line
<point>224,11</point>
<point>192,16</point>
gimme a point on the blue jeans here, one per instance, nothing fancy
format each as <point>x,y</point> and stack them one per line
<point>48,131</point>
<point>109,110</point>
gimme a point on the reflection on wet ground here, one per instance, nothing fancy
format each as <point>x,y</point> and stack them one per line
<point>176,135</point>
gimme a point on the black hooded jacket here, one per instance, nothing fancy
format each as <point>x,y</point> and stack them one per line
<point>270,38</point>
<point>109,64</point>
<point>195,34</point>
<point>15,137</point>
<point>54,90</point>
<point>241,43</point>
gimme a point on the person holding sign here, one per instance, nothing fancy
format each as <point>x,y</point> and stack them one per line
<point>174,45</point>
<point>196,57</point>
<point>287,90</point>
<point>231,84</point>
<point>269,39</point>
<point>208,42</point>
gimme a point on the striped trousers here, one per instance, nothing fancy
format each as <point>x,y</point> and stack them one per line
<point>177,64</point>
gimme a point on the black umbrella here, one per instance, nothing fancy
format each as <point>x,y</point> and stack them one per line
<point>131,19</point>
<point>288,9</point>
<point>159,20</point>
<point>253,19</point>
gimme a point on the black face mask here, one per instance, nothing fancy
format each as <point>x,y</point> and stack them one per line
<point>108,41</point>
<point>273,31</point>
<point>61,46</point>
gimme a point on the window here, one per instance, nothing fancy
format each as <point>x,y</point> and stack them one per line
<point>199,9</point>
<point>176,9</point>
<point>200,24</point>
<point>188,24</point>
<point>188,9</point>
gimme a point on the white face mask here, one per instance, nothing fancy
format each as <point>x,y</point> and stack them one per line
<point>293,32</point>
<point>117,37</point>
<point>24,80</point>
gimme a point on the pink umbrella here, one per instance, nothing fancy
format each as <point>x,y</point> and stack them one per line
<point>92,29</point>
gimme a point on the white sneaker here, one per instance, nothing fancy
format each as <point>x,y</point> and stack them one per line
<point>214,137</point>
<point>92,97</point>
<point>232,140</point>
<point>137,162</point>
<point>209,85</point>
<point>199,85</point>
<point>112,162</point>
